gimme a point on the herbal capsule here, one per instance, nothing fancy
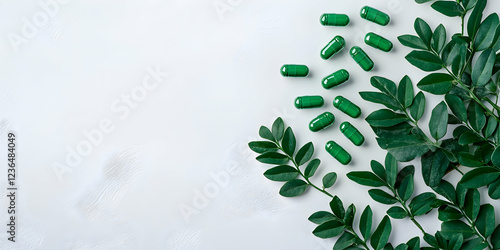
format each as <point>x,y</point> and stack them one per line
<point>321,122</point>
<point>361,58</point>
<point>378,42</point>
<point>375,16</point>
<point>347,106</point>
<point>333,47</point>
<point>292,70</point>
<point>338,152</point>
<point>334,20</point>
<point>306,102</point>
<point>352,133</point>
<point>335,79</point>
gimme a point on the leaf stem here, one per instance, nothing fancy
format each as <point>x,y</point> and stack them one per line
<point>407,210</point>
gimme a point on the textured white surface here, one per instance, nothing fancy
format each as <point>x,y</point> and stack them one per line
<point>182,143</point>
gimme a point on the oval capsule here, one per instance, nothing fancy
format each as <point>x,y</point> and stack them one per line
<point>294,70</point>
<point>378,42</point>
<point>338,152</point>
<point>330,19</point>
<point>361,58</point>
<point>335,79</point>
<point>333,47</point>
<point>306,102</point>
<point>352,133</point>
<point>321,122</point>
<point>374,15</point>
<point>347,106</point>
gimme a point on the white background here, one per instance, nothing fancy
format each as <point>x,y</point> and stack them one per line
<point>127,191</point>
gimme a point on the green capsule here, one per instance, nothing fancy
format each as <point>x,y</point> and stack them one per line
<point>361,58</point>
<point>378,42</point>
<point>335,79</point>
<point>306,102</point>
<point>333,47</point>
<point>375,16</point>
<point>338,152</point>
<point>352,133</point>
<point>334,20</point>
<point>321,122</point>
<point>293,70</point>
<point>347,106</point>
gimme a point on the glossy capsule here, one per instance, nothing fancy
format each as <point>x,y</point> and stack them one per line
<point>352,133</point>
<point>347,106</point>
<point>335,79</point>
<point>334,20</point>
<point>306,102</point>
<point>361,58</point>
<point>378,42</point>
<point>321,122</point>
<point>374,15</point>
<point>293,70</point>
<point>333,47</point>
<point>338,152</point>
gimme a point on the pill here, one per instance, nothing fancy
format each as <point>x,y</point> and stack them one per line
<point>335,79</point>
<point>361,58</point>
<point>375,16</point>
<point>333,47</point>
<point>378,42</point>
<point>338,152</point>
<point>322,121</point>
<point>352,133</point>
<point>293,70</point>
<point>306,102</point>
<point>347,106</point>
<point>334,19</point>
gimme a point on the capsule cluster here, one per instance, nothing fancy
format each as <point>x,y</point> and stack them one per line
<point>333,47</point>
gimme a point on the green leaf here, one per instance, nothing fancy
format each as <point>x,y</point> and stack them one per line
<point>475,18</point>
<point>273,158</point>
<point>486,32</point>
<point>281,173</point>
<point>476,115</point>
<point>469,137</point>
<point>381,234</point>
<point>382,197</point>
<point>385,85</point>
<point>495,238</point>
<point>397,212</point>
<point>439,38</point>
<point>495,157</point>
<point>404,148</point>
<point>405,190</point>
<point>422,1</point>
<point>413,243</point>
<point>469,160</point>
<point>431,240</point>
<point>434,166</point>
<point>385,118</point>
<point>293,188</point>
<point>278,128</point>
<point>424,60</point>
<point>365,222</point>
<point>366,179</point>
<point>418,107</point>
<point>379,170</point>
<point>469,4</point>
<point>474,244</point>
<point>329,179</point>
<point>480,177</point>
<point>457,106</point>
<point>485,221</point>
<point>304,154</point>
<point>496,43</point>
<point>412,41</point>
<point>421,204</point>
<point>391,169</point>
<point>451,228</point>
<point>491,126</point>
<point>448,8</point>
<point>424,31</point>
<point>438,124</point>
<point>451,51</point>
<point>321,217</point>
<point>265,133</point>
<point>461,194</point>
<point>349,215</point>
<point>483,68</point>
<point>289,142</point>
<point>447,213</point>
<point>329,229</point>
<point>262,146</point>
<point>380,98</point>
<point>405,92</point>
<point>456,242</point>
<point>408,170</point>
<point>447,190</point>
<point>311,168</point>
<point>494,190</point>
<point>346,240</point>
<point>472,203</point>
<point>436,83</point>
<point>337,207</point>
